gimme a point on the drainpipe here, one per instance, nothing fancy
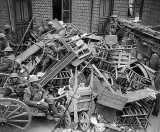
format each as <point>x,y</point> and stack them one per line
<point>10,18</point>
<point>91,8</point>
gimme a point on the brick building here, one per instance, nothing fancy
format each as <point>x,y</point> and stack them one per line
<point>18,13</point>
<point>150,11</point>
<point>89,15</point>
<point>97,11</point>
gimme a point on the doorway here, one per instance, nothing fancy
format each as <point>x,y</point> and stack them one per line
<point>57,11</point>
<point>62,10</point>
<point>23,14</point>
<point>106,8</point>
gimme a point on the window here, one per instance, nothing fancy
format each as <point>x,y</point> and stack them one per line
<point>135,9</point>
<point>66,11</point>
<point>62,10</point>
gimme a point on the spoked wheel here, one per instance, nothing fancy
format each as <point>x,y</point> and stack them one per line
<point>66,121</point>
<point>15,116</point>
<point>84,121</point>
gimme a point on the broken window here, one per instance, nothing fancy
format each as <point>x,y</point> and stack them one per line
<point>62,10</point>
<point>135,9</point>
<point>66,11</point>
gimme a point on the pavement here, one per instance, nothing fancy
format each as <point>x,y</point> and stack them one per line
<point>40,124</point>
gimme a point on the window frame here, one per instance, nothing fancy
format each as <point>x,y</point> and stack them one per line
<point>68,10</point>
<point>134,7</point>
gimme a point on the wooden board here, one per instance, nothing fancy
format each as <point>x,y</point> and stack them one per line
<point>108,98</point>
<point>35,47</point>
<point>111,39</point>
<point>137,95</point>
<point>113,127</point>
<point>106,81</point>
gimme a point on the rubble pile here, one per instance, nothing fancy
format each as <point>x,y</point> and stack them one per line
<point>111,89</point>
<point>144,29</point>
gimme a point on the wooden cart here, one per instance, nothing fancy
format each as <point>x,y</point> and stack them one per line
<point>15,116</point>
<point>81,104</point>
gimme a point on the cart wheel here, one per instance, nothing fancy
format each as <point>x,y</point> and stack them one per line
<point>84,121</point>
<point>66,119</point>
<point>15,116</point>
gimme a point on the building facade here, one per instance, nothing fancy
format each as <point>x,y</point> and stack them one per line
<point>18,13</point>
<point>88,15</point>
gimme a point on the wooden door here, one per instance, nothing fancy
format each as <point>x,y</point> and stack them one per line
<point>106,7</point>
<point>22,10</point>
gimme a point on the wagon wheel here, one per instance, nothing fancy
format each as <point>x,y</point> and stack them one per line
<point>84,121</point>
<point>66,121</point>
<point>15,116</point>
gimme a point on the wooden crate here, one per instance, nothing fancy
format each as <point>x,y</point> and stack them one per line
<point>83,101</point>
<point>108,98</point>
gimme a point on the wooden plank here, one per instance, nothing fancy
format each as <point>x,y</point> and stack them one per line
<point>113,127</point>
<point>99,89</point>
<point>77,62</point>
<point>80,106</point>
<point>115,97</point>
<point>132,115</point>
<point>108,84</point>
<point>111,100</point>
<point>84,100</point>
<point>138,95</point>
<point>31,50</point>
<point>111,39</point>
<point>110,104</point>
<point>82,93</point>
<point>74,99</point>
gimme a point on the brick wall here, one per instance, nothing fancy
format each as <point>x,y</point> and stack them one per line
<point>81,14</point>
<point>41,9</point>
<point>151,11</point>
<point>4,14</point>
<point>95,15</point>
<point>120,8</point>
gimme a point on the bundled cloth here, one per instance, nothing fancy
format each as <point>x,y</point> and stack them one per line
<point>99,127</point>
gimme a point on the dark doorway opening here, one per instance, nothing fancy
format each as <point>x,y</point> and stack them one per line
<point>57,9</point>
<point>62,10</point>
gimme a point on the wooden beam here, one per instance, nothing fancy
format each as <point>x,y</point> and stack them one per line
<point>101,75</point>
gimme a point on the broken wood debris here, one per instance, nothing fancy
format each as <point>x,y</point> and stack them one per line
<point>104,67</point>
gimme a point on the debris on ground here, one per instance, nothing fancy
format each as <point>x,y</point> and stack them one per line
<point>97,74</point>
